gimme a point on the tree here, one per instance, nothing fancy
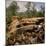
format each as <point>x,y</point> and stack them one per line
<point>13,7</point>
<point>11,11</point>
<point>31,11</point>
<point>28,12</point>
<point>42,9</point>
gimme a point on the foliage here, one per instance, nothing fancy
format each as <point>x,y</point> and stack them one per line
<point>28,12</point>
<point>34,12</point>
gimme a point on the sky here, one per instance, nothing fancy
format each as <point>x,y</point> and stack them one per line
<point>22,4</point>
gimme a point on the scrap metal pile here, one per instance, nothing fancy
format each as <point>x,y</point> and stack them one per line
<point>26,31</point>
